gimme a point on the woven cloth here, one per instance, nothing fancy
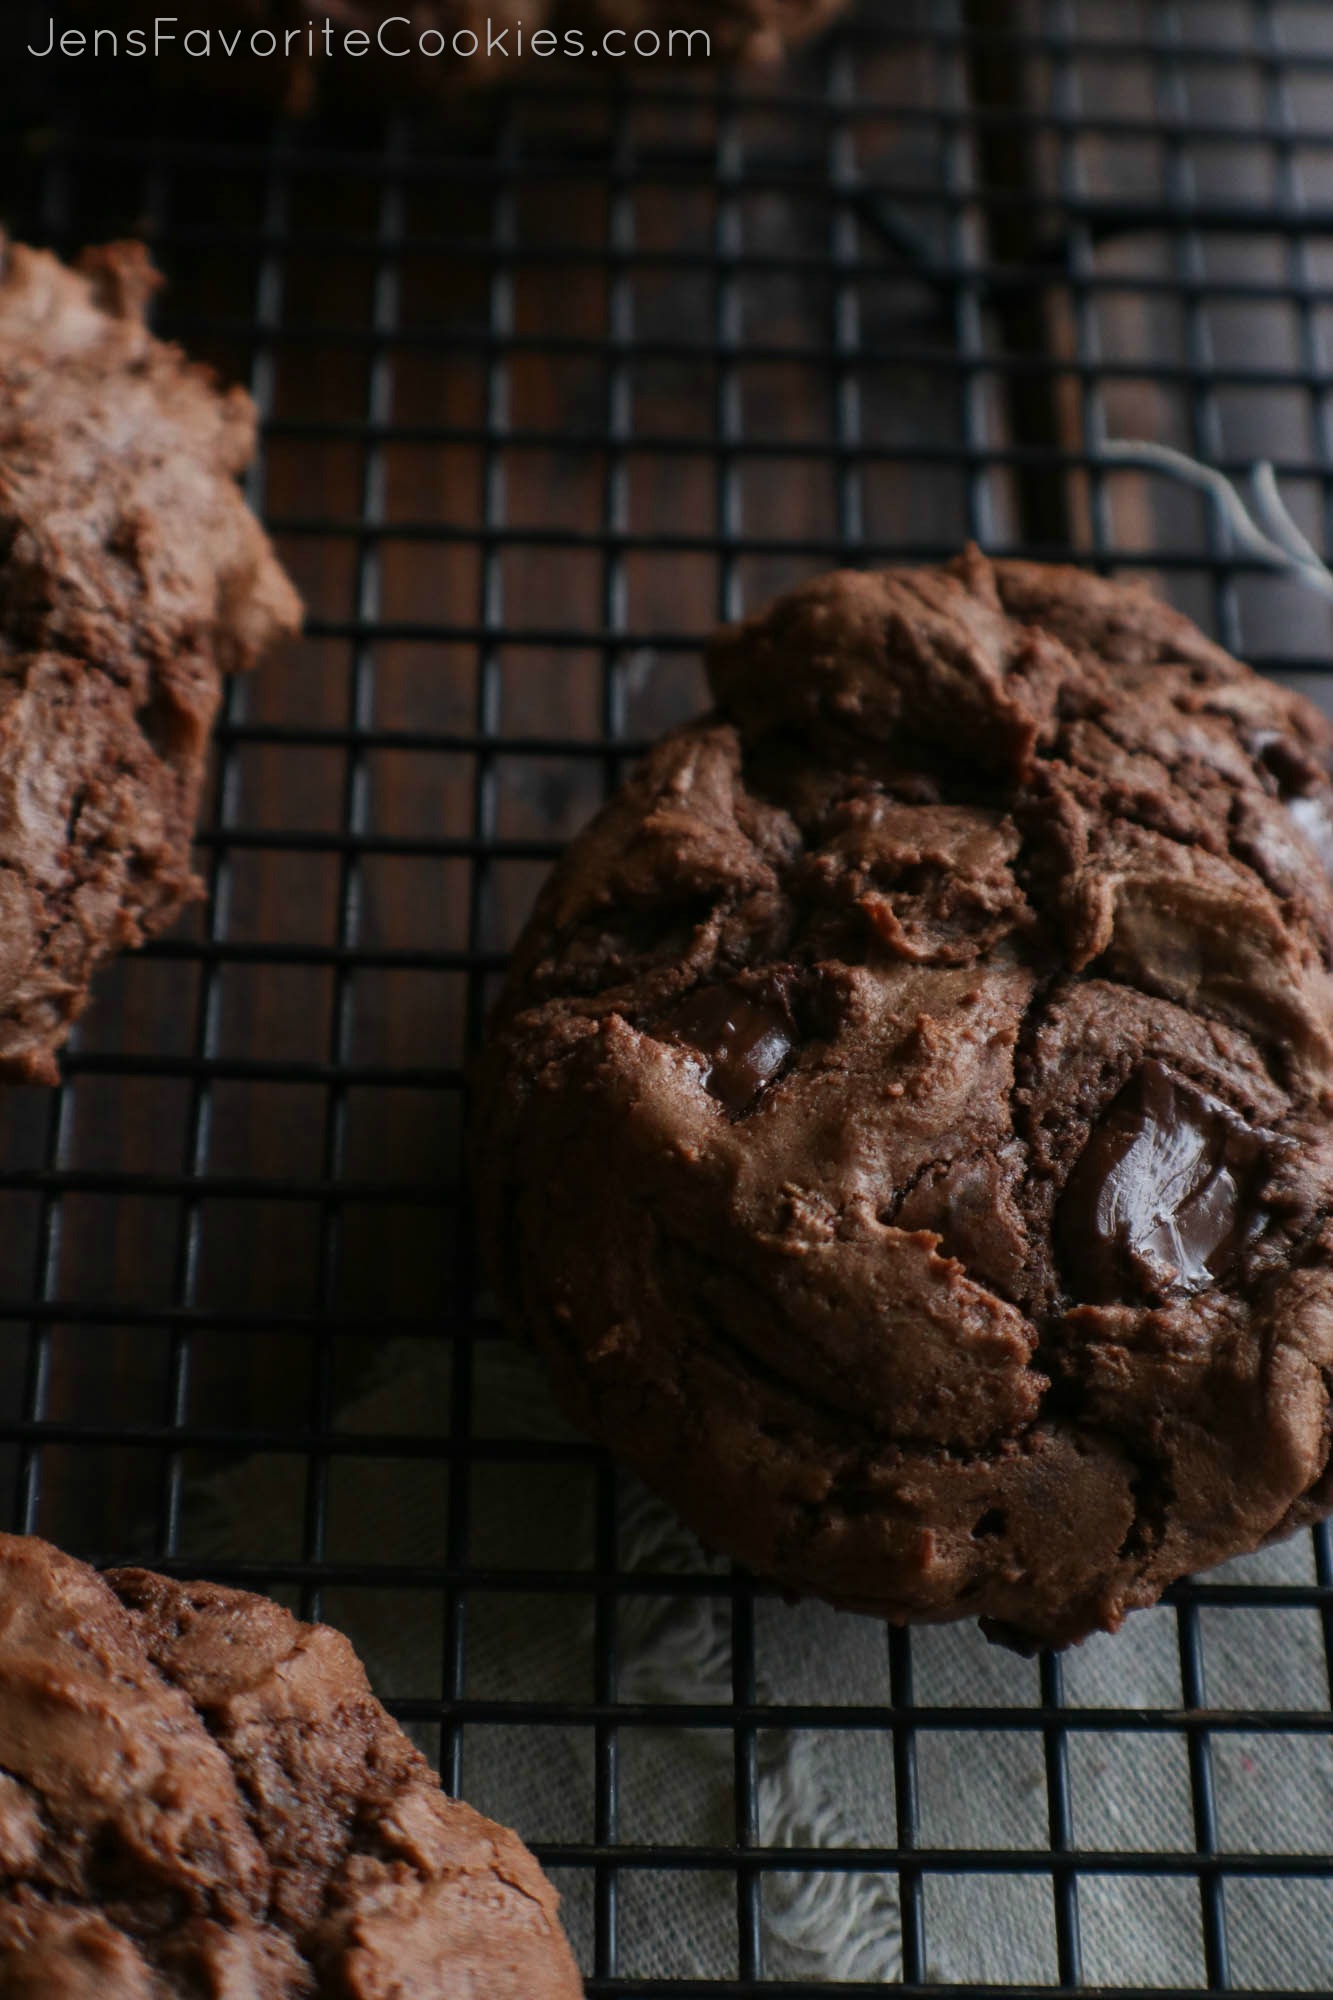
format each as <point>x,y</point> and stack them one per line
<point>1130,1789</point>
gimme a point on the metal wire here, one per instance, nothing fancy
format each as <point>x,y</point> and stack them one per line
<point>543,393</point>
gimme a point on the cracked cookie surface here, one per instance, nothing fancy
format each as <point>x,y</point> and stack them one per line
<point>201,1799</point>
<point>132,577</point>
<point>907,1128</point>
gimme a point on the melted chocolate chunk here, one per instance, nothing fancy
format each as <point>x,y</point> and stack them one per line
<point>743,1041</point>
<point>1162,1199</point>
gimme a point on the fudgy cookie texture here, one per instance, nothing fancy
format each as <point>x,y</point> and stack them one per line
<point>132,577</point>
<point>907,1127</point>
<point>200,1799</point>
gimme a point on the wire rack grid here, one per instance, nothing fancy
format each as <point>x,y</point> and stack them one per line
<point>547,386</point>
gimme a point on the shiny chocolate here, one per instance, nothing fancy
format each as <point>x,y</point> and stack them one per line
<point>1164,1195</point>
<point>744,1041</point>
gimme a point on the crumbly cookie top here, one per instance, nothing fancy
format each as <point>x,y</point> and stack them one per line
<point>125,542</point>
<point>201,1797</point>
<point>945,1027</point>
<point>132,577</point>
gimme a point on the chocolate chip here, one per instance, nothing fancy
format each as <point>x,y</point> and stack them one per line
<point>1162,1199</point>
<point>744,1041</point>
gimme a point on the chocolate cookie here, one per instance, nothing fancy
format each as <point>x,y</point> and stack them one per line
<point>132,577</point>
<point>200,1797</point>
<point>908,1127</point>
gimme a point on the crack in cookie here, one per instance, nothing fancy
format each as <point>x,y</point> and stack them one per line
<point>986,1097</point>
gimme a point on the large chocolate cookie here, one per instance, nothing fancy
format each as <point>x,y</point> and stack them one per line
<point>132,577</point>
<point>907,1126</point>
<point>200,1797</point>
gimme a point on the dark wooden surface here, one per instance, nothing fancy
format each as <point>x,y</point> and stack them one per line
<point>130,1258</point>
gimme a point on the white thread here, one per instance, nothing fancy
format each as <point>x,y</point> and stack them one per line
<point>1274,536</point>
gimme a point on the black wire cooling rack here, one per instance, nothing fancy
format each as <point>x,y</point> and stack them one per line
<point>550,381</point>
